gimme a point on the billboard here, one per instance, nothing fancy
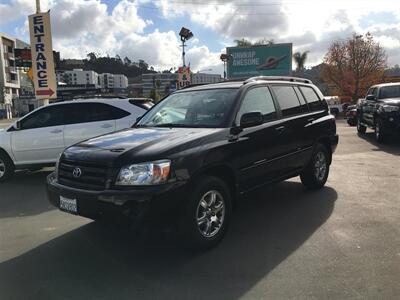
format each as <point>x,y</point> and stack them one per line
<point>268,60</point>
<point>44,77</point>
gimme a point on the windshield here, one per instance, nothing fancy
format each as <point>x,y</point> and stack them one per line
<point>392,91</point>
<point>204,108</point>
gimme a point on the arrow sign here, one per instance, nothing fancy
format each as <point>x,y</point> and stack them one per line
<point>47,92</point>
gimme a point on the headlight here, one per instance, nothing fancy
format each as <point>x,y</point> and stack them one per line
<point>390,108</point>
<point>149,173</point>
<point>56,168</point>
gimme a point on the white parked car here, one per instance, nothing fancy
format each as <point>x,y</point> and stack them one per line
<point>37,139</point>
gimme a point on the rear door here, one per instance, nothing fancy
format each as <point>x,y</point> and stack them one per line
<point>41,137</point>
<point>87,120</point>
<point>295,116</point>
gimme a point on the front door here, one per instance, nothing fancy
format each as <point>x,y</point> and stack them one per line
<point>257,148</point>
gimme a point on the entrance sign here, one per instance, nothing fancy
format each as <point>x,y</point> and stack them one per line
<point>44,77</point>
<point>274,60</point>
<point>183,77</point>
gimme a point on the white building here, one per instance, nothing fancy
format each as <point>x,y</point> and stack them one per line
<point>201,78</point>
<point>9,78</point>
<point>120,81</point>
<point>160,81</point>
<point>113,81</point>
<point>78,77</point>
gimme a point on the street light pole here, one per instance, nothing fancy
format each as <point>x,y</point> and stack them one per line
<point>37,6</point>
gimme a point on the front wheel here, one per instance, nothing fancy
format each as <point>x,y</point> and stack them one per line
<point>316,173</point>
<point>6,167</point>
<point>380,131</point>
<point>207,215</point>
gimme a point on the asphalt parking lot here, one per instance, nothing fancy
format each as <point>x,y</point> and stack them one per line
<point>342,242</point>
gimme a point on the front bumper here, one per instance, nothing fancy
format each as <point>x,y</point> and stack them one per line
<point>152,204</point>
<point>391,121</point>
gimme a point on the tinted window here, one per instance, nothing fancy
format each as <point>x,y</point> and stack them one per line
<point>287,99</point>
<point>258,100</point>
<point>45,117</point>
<point>312,98</point>
<point>93,112</point>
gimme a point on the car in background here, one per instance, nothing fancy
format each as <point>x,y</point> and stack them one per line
<point>380,111</point>
<point>189,158</point>
<point>37,139</point>
<point>351,115</point>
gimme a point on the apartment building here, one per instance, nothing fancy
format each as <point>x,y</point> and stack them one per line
<point>9,78</point>
<point>78,77</point>
<point>202,78</point>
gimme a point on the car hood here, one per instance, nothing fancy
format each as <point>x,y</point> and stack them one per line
<point>140,144</point>
<point>392,101</point>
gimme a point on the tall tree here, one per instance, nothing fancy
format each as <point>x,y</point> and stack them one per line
<point>354,64</point>
<point>300,60</point>
<point>127,61</point>
<point>91,56</point>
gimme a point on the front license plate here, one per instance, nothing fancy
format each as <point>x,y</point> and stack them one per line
<point>69,205</point>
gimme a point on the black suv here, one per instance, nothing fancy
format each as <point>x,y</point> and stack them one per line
<point>189,158</point>
<point>381,111</point>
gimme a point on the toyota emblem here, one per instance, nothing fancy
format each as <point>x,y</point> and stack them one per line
<point>77,172</point>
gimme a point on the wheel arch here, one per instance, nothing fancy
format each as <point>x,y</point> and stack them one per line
<point>4,152</point>
<point>224,172</point>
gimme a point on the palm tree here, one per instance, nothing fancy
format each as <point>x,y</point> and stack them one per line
<point>243,43</point>
<point>300,60</point>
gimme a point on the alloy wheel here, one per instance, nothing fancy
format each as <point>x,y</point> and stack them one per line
<point>377,130</point>
<point>320,166</point>
<point>210,213</point>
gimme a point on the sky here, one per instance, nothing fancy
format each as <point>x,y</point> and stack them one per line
<point>148,30</point>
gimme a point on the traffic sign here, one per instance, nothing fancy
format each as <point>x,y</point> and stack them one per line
<point>44,77</point>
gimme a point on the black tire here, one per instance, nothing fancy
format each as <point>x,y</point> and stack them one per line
<point>6,167</point>
<point>314,176</point>
<point>381,135</point>
<point>360,128</point>
<point>190,230</point>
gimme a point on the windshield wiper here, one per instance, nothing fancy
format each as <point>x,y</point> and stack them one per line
<point>172,125</point>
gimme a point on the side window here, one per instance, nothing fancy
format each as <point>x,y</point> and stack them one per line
<point>93,112</point>
<point>375,92</point>
<point>52,115</point>
<point>303,103</point>
<point>287,99</point>
<point>312,98</point>
<point>258,99</point>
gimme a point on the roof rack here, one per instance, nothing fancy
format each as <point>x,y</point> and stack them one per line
<point>278,78</point>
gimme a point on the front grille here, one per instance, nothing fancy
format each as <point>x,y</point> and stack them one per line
<point>92,176</point>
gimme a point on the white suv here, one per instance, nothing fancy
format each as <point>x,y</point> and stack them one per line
<point>37,139</point>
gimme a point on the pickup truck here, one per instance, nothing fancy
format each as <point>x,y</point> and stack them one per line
<point>380,110</point>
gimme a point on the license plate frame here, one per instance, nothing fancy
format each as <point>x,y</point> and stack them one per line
<point>69,205</point>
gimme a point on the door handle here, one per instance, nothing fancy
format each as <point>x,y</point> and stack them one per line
<point>280,128</point>
<point>106,126</point>
<point>56,131</point>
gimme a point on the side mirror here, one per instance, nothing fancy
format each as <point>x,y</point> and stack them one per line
<point>251,119</point>
<point>370,97</point>
<point>17,125</point>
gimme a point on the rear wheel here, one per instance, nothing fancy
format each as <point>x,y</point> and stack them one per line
<point>207,215</point>
<point>6,167</point>
<point>316,173</point>
<point>360,128</point>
